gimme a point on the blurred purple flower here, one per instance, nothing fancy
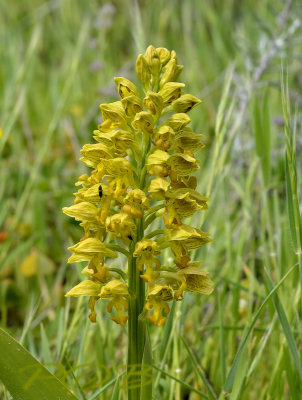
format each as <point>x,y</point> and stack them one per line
<point>96,65</point>
<point>105,15</point>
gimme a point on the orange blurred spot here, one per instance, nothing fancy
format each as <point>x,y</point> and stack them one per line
<point>3,236</point>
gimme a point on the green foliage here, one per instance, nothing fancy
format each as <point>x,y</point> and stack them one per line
<point>263,136</point>
<point>58,60</point>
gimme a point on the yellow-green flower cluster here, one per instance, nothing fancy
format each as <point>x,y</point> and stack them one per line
<point>141,157</point>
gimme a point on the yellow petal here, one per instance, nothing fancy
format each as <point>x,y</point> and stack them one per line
<point>114,288</point>
<point>146,246</point>
<point>83,211</point>
<point>120,304</point>
<point>119,167</point>
<point>87,271</point>
<point>157,296</point>
<point>96,192</point>
<point>157,158</point>
<point>91,304</point>
<point>186,235</point>
<point>185,201</point>
<point>137,198</point>
<point>198,282</point>
<point>159,291</point>
<point>164,137</point>
<point>85,288</point>
<point>186,139</point>
<point>88,248</point>
<point>94,153</point>
<point>122,225</point>
<point>159,186</point>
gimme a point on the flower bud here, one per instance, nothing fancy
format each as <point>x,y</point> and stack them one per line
<point>143,71</point>
<point>164,55</point>
<point>132,105</point>
<point>152,59</point>
<point>143,122</point>
<point>125,87</point>
<point>171,91</point>
<point>114,111</point>
<point>185,103</point>
<point>154,103</point>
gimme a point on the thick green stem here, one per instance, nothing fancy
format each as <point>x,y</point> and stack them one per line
<point>136,327</point>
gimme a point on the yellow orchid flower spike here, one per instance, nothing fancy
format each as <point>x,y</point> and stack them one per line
<point>141,165</point>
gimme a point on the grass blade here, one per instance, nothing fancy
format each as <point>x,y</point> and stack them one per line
<point>102,389</point>
<point>181,382</point>
<point>210,390</point>
<point>263,136</point>
<point>116,390</point>
<point>290,205</point>
<point>46,349</point>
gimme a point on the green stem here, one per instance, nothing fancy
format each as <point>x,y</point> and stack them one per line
<point>136,327</point>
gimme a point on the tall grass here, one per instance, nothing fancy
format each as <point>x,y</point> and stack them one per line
<point>58,59</point>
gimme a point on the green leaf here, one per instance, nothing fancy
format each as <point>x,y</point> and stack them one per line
<point>240,376</point>
<point>167,331</point>
<point>24,377</point>
<point>290,373</point>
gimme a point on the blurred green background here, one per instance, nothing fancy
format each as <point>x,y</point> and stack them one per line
<point>58,60</point>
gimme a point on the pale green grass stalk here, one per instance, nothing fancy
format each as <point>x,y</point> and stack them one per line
<point>249,218</point>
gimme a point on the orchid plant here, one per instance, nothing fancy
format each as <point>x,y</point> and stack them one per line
<point>141,163</point>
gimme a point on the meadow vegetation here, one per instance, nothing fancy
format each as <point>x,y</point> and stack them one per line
<point>243,59</point>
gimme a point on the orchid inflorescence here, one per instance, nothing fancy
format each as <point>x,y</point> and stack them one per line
<point>141,167</point>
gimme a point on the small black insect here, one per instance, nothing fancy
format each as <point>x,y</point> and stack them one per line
<point>100,191</point>
<point>130,237</point>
